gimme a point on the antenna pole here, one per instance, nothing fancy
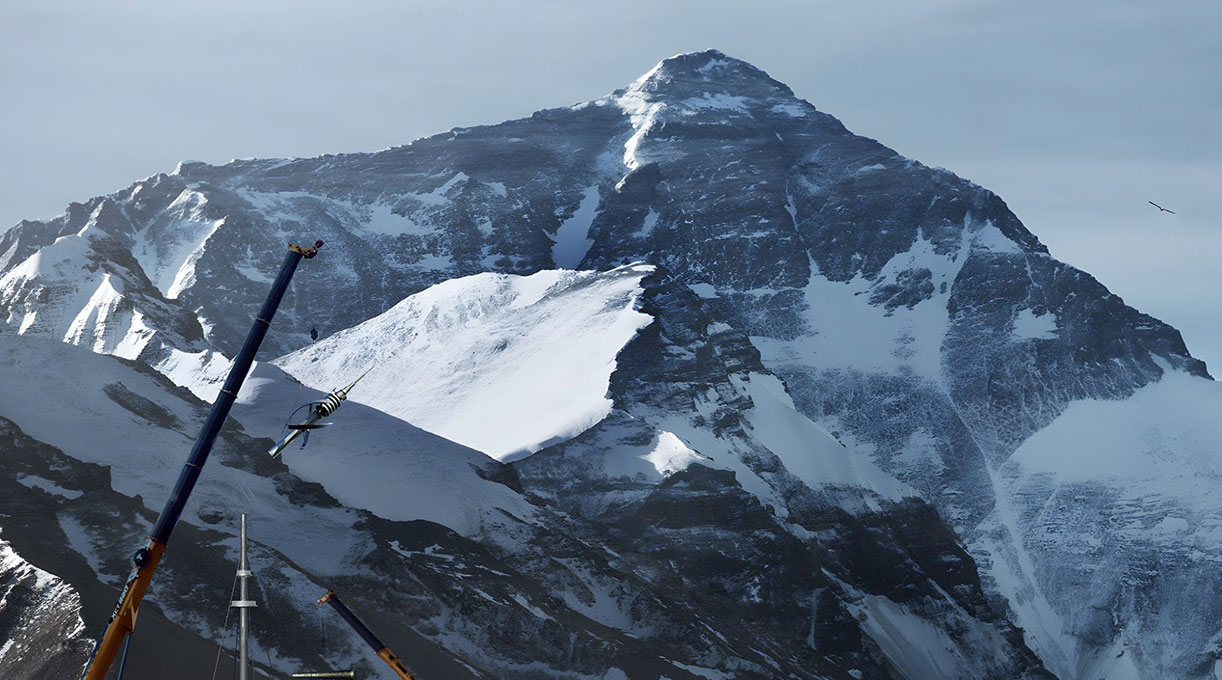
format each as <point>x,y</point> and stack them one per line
<point>243,604</point>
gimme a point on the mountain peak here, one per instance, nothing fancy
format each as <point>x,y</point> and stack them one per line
<point>709,71</point>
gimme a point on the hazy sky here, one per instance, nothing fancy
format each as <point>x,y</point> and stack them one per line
<point>1076,113</point>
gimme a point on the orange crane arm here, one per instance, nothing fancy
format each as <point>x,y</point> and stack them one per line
<point>367,635</point>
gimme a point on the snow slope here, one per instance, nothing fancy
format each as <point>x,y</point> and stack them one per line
<point>504,364</point>
<point>369,459</point>
<point>1121,497</point>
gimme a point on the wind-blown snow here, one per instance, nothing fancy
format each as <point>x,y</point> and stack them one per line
<point>504,364</point>
<point>919,648</point>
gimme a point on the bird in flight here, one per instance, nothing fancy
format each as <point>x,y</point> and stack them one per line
<point>1160,207</point>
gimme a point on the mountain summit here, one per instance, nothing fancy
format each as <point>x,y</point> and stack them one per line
<point>869,427</point>
<point>697,74</point>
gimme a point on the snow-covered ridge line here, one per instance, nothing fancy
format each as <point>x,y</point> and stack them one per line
<point>501,363</point>
<point>36,608</point>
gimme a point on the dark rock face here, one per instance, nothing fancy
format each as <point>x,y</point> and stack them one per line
<point>788,588</point>
<point>908,311</point>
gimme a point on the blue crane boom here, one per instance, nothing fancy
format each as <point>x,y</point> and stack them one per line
<point>145,560</point>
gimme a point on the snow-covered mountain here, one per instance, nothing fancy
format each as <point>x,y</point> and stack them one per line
<point>468,571</point>
<point>804,281</point>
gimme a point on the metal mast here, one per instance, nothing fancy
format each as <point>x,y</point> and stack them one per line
<point>243,604</point>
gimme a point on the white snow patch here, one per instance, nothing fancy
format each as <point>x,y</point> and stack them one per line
<point>201,372</point>
<point>989,237</point>
<point>388,217</point>
<point>849,334</point>
<point>920,452</point>
<point>93,326</point>
<point>806,449</point>
<point>651,221</point>
<point>717,101</point>
<point>253,274</point>
<point>367,459</point>
<point>704,290</point>
<point>718,453</point>
<point>535,611</point>
<point>571,244</point>
<point>710,673</point>
<point>35,482</point>
<point>713,65</point>
<point>439,196</point>
<point>47,594</point>
<point>383,220</point>
<point>1029,326</point>
<point>870,168</point>
<point>791,109</point>
<point>81,542</point>
<point>370,460</point>
<point>671,455</point>
<point>88,307</point>
<point>606,607</point>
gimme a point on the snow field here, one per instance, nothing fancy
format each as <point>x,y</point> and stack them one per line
<point>503,364</point>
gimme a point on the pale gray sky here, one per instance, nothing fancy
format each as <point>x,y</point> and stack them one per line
<point>1075,113</point>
